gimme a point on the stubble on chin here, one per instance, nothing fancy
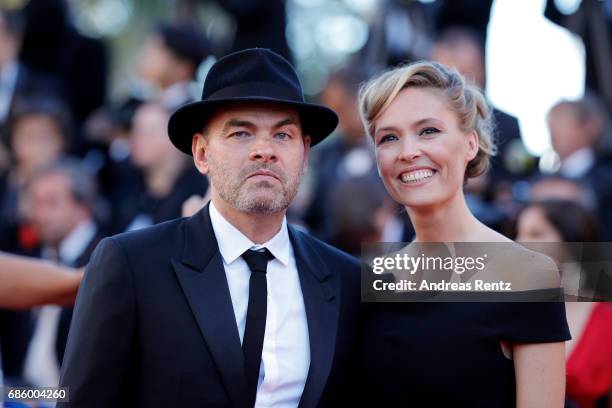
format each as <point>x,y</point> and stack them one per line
<point>262,197</point>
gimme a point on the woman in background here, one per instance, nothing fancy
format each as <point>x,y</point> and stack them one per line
<point>431,132</point>
<point>168,179</point>
<point>589,353</point>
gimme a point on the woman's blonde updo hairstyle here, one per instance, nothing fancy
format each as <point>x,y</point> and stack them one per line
<point>466,100</point>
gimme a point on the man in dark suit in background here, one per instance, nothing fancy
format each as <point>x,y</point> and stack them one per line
<point>460,48</point>
<point>62,208</point>
<point>169,62</point>
<point>230,307</point>
<point>489,195</point>
<point>576,128</point>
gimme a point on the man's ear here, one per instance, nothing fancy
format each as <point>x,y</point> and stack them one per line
<point>473,146</point>
<point>307,141</point>
<point>199,146</point>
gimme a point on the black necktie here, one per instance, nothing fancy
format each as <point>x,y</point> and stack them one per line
<point>255,327</point>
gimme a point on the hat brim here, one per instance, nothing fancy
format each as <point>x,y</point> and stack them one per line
<point>317,121</point>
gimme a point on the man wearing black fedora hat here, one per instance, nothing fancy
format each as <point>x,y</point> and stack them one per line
<point>232,306</point>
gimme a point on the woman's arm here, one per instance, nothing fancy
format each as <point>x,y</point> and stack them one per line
<point>540,374</point>
<point>29,282</point>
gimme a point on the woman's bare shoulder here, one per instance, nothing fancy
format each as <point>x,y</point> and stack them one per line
<point>527,269</point>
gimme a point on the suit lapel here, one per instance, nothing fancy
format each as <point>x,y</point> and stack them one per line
<point>202,277</point>
<point>321,301</point>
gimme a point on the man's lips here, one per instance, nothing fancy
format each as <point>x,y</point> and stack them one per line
<point>267,173</point>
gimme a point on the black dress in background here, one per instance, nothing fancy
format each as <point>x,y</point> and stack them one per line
<point>449,354</point>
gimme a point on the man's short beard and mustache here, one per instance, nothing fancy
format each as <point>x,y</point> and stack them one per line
<point>231,188</point>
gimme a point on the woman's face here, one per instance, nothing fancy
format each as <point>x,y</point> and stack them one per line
<point>420,150</point>
<point>37,141</point>
<point>149,141</point>
<point>533,226</point>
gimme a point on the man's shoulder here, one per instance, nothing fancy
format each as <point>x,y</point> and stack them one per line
<point>165,233</point>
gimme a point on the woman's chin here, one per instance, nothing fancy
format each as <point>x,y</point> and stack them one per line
<point>419,201</point>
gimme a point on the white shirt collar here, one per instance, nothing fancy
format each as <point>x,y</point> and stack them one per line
<point>8,81</point>
<point>75,243</point>
<point>176,94</point>
<point>233,243</point>
<point>578,163</point>
<point>8,74</point>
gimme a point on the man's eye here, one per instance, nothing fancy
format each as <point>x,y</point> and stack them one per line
<point>282,135</point>
<point>387,138</point>
<point>240,134</point>
<point>428,131</point>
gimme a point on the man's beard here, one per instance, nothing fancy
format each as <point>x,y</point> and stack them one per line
<point>262,197</point>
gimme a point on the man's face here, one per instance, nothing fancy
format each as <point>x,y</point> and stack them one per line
<point>566,133</point>
<point>155,61</point>
<point>344,103</point>
<point>37,141</point>
<point>466,57</point>
<point>255,155</point>
<point>53,210</point>
<point>9,44</point>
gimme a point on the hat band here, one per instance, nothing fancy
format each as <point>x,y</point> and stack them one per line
<point>256,90</point>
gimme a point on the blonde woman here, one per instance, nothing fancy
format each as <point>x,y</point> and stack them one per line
<point>432,132</point>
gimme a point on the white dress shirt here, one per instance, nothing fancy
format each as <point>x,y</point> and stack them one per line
<point>74,245</point>
<point>286,348</point>
<point>578,164</point>
<point>176,95</point>
<point>8,80</point>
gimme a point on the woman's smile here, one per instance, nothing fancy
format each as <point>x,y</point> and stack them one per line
<point>418,177</point>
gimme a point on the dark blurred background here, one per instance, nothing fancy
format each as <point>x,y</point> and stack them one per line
<point>87,87</point>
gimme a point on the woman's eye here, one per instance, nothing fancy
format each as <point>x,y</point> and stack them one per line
<point>387,138</point>
<point>428,131</point>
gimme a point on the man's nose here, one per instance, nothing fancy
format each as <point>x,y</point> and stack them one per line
<point>262,150</point>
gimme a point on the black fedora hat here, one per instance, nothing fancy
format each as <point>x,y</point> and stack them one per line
<point>251,75</point>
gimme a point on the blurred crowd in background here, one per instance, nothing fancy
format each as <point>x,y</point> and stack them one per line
<point>84,151</point>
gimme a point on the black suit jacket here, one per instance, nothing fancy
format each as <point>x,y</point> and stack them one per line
<point>63,325</point>
<point>599,179</point>
<point>154,324</point>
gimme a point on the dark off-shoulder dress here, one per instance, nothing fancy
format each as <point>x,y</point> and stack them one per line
<point>449,354</point>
